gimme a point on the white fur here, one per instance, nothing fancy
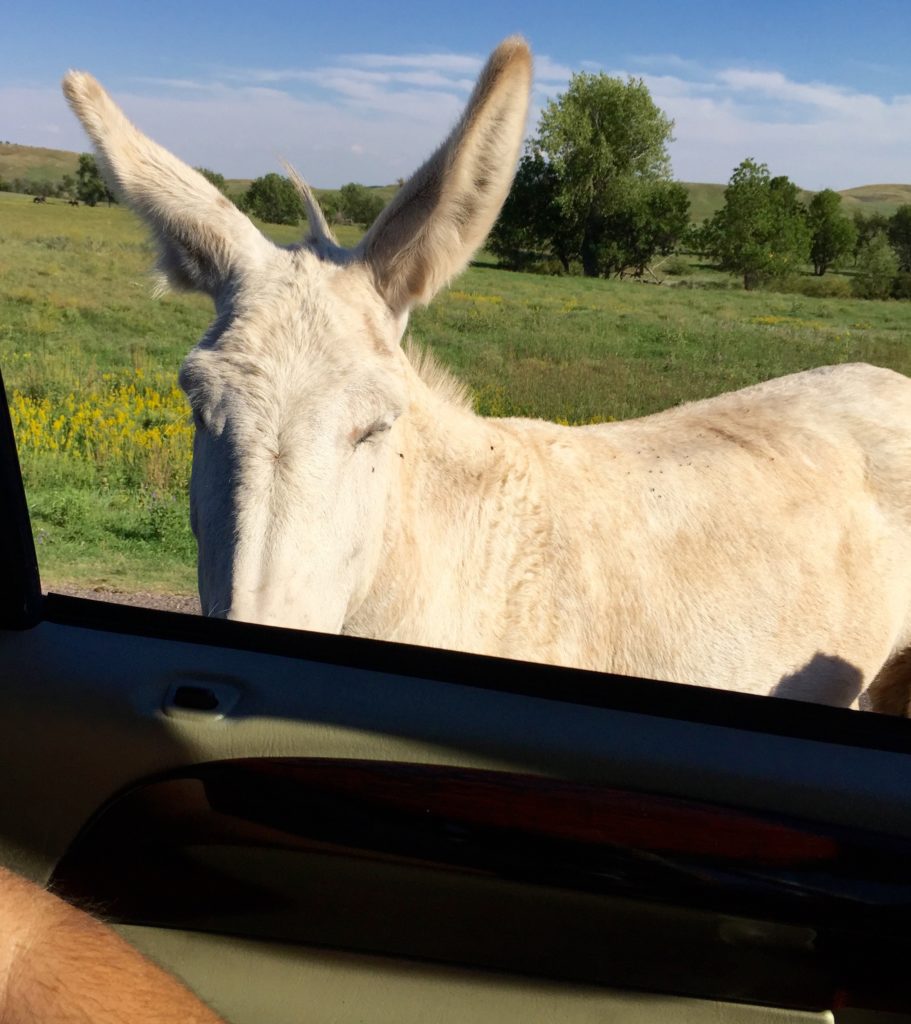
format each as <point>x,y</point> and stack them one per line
<point>759,541</point>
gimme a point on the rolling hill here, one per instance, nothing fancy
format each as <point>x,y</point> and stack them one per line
<point>37,164</point>
<point>879,198</point>
<point>706,198</point>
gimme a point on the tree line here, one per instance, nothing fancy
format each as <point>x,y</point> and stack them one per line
<point>593,194</point>
<point>272,198</point>
<point>765,232</point>
<point>86,185</point>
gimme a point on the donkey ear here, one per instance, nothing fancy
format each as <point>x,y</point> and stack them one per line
<point>434,224</point>
<point>203,239</point>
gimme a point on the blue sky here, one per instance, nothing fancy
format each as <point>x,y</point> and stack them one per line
<point>363,91</point>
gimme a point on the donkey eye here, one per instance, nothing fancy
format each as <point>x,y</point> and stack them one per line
<point>371,432</point>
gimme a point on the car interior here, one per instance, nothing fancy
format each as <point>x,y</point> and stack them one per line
<point>328,828</point>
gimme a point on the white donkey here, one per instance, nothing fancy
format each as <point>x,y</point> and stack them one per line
<point>759,541</point>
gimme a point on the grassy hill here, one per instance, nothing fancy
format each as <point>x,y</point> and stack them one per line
<point>37,164</point>
<point>879,198</point>
<point>705,198</point>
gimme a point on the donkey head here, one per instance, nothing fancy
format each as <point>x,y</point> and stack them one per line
<point>298,387</point>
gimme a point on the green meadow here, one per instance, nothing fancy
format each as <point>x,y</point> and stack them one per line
<point>90,357</point>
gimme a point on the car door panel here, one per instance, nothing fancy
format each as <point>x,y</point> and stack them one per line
<point>88,712</point>
<point>331,987</point>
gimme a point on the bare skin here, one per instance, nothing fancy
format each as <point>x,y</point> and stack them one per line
<point>59,964</point>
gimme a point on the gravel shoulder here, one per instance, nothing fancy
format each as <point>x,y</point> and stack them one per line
<point>186,603</point>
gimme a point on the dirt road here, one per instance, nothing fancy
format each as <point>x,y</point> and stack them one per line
<point>187,603</point>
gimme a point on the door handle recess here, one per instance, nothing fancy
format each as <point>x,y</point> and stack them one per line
<point>198,700</point>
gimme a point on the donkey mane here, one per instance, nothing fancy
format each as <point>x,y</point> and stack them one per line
<point>438,378</point>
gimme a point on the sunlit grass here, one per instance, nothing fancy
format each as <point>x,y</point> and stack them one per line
<point>90,360</point>
<point>133,432</point>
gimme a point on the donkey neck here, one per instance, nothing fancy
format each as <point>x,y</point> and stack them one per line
<point>462,481</point>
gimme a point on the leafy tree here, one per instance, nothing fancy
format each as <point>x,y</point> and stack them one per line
<point>90,186</point>
<point>330,204</point>
<point>605,139</point>
<point>761,231</point>
<point>899,232</point>
<point>359,204</point>
<point>531,225</point>
<point>832,234</point>
<point>876,269</point>
<point>700,238</point>
<point>273,199</point>
<point>651,222</point>
<point>218,180</point>
<point>67,187</point>
<point>867,227</point>
<point>901,285</point>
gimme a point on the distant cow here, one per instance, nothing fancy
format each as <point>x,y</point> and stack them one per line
<point>40,199</point>
<point>74,202</point>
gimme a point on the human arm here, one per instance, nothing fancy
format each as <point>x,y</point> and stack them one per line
<point>62,965</point>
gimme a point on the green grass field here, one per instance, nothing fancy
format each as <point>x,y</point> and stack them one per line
<point>90,359</point>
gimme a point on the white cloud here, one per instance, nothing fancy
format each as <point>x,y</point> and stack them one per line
<point>178,83</point>
<point>441,62</point>
<point>374,117</point>
<point>774,85</point>
<point>818,134</point>
<point>322,75</point>
<point>38,117</point>
<point>547,70</point>
<point>667,61</point>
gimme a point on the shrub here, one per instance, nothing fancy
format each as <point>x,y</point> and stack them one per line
<point>552,267</point>
<point>877,267</point>
<point>676,266</point>
<point>359,204</point>
<point>901,285</point>
<point>829,287</point>
<point>274,200</point>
